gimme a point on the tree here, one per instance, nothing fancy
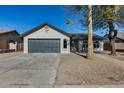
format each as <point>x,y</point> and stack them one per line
<point>106,17</point>
<point>109,17</point>
<point>90,40</point>
<point>89,25</point>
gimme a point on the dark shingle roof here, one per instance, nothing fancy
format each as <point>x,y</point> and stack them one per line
<point>120,35</point>
<point>72,35</point>
<point>7,31</point>
<point>42,25</point>
<point>84,36</point>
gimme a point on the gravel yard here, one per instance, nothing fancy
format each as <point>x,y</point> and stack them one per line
<point>77,70</point>
<point>120,56</point>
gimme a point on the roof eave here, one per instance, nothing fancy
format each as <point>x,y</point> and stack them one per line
<point>10,32</point>
<point>39,27</point>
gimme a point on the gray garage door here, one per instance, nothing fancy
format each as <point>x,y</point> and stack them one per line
<point>43,45</point>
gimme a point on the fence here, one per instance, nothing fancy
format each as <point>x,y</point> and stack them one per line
<point>20,47</point>
<point>118,46</point>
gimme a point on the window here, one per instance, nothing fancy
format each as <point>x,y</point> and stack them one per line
<point>96,44</point>
<point>65,43</point>
<point>85,45</point>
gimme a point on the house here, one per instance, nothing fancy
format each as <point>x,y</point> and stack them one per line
<point>47,38</point>
<point>119,42</point>
<point>120,37</point>
<point>9,40</point>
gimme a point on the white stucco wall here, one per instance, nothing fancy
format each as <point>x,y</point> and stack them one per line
<point>100,49</point>
<point>51,34</point>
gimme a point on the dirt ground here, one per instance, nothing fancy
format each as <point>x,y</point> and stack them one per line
<point>77,70</point>
<point>120,55</point>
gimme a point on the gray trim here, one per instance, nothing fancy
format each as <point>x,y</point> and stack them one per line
<point>44,38</point>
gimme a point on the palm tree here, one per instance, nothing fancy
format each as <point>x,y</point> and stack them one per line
<point>90,39</point>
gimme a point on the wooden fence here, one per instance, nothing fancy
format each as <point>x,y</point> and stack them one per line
<point>118,46</point>
<point>20,47</point>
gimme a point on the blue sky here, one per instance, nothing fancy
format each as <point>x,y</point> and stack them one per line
<point>23,18</point>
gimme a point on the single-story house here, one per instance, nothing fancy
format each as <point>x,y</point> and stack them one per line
<point>9,40</point>
<point>119,42</point>
<point>47,38</point>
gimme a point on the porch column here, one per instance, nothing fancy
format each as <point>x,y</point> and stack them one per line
<point>101,45</point>
<point>80,45</point>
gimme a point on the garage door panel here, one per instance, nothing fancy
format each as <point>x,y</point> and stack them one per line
<point>43,46</point>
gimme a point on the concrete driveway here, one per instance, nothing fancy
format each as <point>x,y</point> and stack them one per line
<point>29,70</point>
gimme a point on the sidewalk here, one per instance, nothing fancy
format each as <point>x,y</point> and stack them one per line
<point>89,86</point>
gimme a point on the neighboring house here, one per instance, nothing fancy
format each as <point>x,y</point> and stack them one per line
<point>120,37</point>
<point>49,39</point>
<point>9,39</point>
<point>119,42</point>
